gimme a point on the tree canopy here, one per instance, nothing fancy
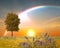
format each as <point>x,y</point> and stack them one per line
<point>12,22</point>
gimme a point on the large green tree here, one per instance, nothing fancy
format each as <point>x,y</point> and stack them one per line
<point>12,22</point>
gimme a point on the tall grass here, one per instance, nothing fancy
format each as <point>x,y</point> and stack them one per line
<point>45,41</point>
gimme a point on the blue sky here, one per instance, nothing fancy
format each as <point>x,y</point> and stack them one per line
<point>21,5</point>
<point>52,9</point>
<point>48,13</point>
<point>47,18</point>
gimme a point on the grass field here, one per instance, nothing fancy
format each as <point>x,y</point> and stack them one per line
<point>13,42</point>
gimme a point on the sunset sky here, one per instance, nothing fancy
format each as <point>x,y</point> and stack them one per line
<point>39,15</point>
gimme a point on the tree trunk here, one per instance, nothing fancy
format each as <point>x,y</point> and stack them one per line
<point>12,33</point>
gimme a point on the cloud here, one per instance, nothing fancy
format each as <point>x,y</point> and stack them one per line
<point>54,22</point>
<point>55,19</point>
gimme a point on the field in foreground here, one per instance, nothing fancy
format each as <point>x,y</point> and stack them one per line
<point>13,42</point>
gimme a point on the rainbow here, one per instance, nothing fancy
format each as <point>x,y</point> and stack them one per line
<point>33,8</point>
<point>24,15</point>
<point>36,7</point>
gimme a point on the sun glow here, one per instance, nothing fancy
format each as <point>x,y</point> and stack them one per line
<point>5,33</point>
<point>24,17</point>
<point>31,33</point>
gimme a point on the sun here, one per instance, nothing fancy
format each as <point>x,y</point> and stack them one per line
<point>31,33</point>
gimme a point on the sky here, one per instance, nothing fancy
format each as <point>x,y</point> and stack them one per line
<point>45,19</point>
<point>21,5</point>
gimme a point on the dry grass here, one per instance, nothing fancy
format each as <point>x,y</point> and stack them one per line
<point>9,42</point>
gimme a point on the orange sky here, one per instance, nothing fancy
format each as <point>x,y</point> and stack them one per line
<point>23,32</point>
<point>52,28</point>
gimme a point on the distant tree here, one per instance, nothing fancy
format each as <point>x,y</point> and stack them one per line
<point>12,21</point>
